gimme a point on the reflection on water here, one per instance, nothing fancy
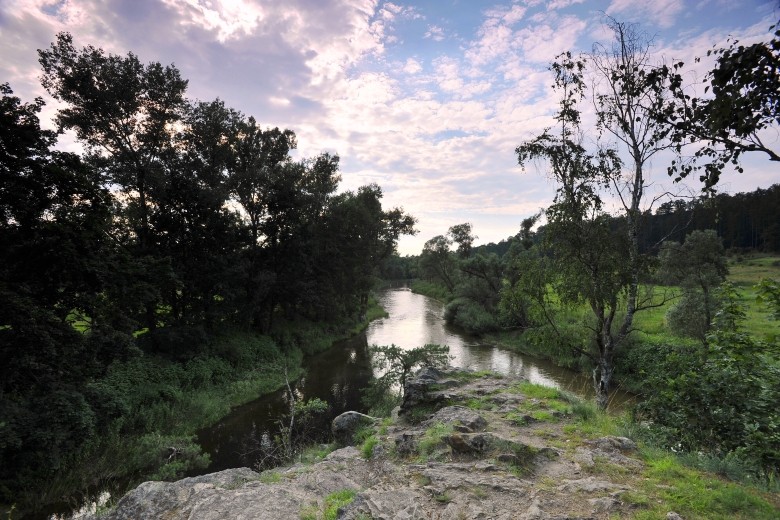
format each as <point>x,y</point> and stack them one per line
<point>338,375</point>
<point>416,320</point>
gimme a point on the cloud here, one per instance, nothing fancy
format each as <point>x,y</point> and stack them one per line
<point>435,124</point>
<point>662,12</point>
<point>412,66</point>
<point>228,18</point>
<point>434,33</point>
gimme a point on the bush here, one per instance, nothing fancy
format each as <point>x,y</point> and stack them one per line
<point>688,317</point>
<point>470,316</point>
<point>721,398</point>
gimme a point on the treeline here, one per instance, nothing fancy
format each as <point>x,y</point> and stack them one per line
<point>744,221</point>
<point>119,267</point>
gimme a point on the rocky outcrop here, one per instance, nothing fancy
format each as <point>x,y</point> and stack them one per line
<point>470,455</point>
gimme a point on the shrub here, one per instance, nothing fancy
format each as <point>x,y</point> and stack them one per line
<point>688,317</point>
<point>470,316</point>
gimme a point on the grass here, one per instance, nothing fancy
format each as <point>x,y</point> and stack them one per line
<point>367,448</point>
<point>432,439</point>
<point>329,508</point>
<point>669,485</point>
<point>537,391</point>
<point>432,290</point>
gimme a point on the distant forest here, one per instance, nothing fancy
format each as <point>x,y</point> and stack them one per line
<point>743,221</point>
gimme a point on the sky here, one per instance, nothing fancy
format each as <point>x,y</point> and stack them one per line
<point>426,98</point>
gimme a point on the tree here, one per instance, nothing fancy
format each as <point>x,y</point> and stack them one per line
<point>355,237</point>
<point>55,264</point>
<point>698,264</point>
<point>462,235</point>
<point>743,103</point>
<point>589,257</point>
<point>626,95</point>
<point>436,261</point>
<point>125,113</point>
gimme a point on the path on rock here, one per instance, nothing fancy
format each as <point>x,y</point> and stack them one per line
<point>466,446</point>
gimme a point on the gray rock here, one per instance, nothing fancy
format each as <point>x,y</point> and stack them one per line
<point>463,419</point>
<point>612,443</point>
<point>406,443</point>
<point>345,425</point>
<point>417,389</point>
<point>671,515</point>
<point>603,504</point>
<point>481,443</point>
<point>590,484</point>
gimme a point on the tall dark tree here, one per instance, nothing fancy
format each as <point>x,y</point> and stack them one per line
<point>589,258</point>
<point>125,113</point>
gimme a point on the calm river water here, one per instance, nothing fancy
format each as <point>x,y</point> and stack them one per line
<point>338,375</point>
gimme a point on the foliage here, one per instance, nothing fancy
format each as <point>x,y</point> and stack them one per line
<point>689,316</point>
<point>733,119</point>
<point>721,398</point>
<point>470,316</point>
<point>124,270</point>
<point>699,264</point>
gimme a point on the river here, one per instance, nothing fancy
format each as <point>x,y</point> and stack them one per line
<point>338,374</point>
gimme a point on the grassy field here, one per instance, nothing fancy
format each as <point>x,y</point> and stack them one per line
<point>744,273</point>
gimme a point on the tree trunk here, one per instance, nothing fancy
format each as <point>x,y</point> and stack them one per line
<point>602,379</point>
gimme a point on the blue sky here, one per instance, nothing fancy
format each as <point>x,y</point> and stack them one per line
<point>426,98</point>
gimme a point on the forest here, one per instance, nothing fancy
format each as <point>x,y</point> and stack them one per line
<point>185,262</point>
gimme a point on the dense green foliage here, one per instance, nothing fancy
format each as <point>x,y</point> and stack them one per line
<point>722,397</point>
<point>123,270</point>
<point>743,102</point>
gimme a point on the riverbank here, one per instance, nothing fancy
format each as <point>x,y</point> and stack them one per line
<point>160,404</point>
<point>468,445</point>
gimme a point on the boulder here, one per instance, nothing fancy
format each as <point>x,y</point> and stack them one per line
<point>345,425</point>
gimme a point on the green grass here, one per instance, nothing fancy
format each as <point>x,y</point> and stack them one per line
<point>432,290</point>
<point>336,500</point>
<point>432,439</point>
<point>330,506</point>
<point>367,448</point>
<point>695,495</point>
<point>537,391</point>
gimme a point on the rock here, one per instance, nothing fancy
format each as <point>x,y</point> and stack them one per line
<point>345,425</point>
<point>463,419</point>
<point>406,443</point>
<point>603,504</point>
<point>416,388</point>
<point>481,443</point>
<point>348,453</point>
<point>612,443</point>
<point>509,458</point>
<point>671,515</point>
<point>589,484</point>
<point>584,457</point>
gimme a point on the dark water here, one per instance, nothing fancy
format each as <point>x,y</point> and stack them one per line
<point>338,375</point>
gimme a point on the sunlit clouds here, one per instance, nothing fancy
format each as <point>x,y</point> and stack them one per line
<point>427,98</point>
